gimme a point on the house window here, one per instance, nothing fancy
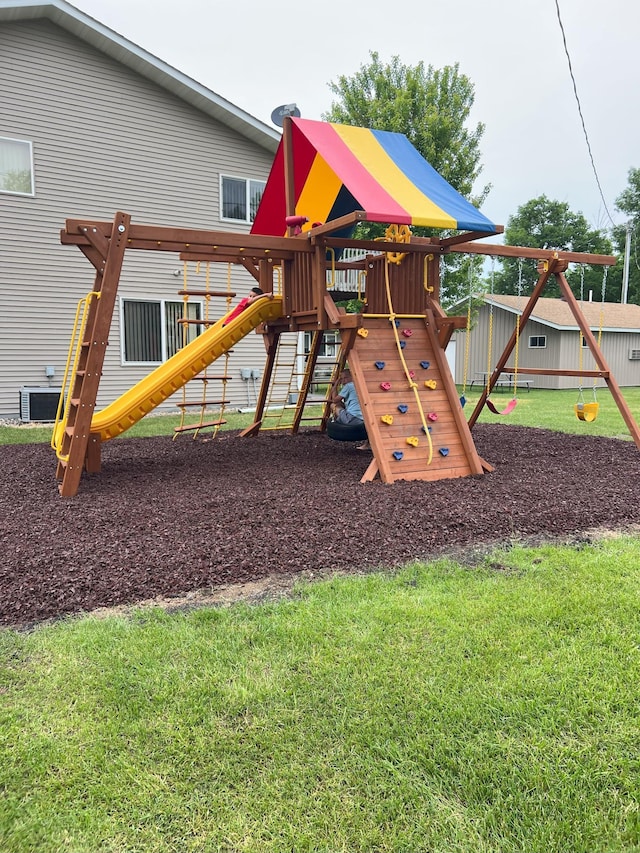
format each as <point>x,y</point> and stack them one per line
<point>240,198</point>
<point>537,341</point>
<point>329,346</point>
<point>151,331</point>
<point>16,166</point>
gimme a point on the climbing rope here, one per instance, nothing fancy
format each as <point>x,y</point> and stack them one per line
<point>412,385</point>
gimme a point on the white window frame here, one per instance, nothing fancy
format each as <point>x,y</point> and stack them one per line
<point>538,338</point>
<point>247,197</point>
<point>29,146</point>
<point>193,329</point>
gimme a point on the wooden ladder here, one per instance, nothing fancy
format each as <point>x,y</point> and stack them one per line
<point>80,448</point>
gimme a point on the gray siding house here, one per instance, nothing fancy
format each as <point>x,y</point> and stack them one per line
<point>551,339</point>
<point>91,124</point>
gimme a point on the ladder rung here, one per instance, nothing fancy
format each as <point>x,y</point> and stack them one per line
<point>227,294</point>
<point>188,427</point>
<point>203,403</point>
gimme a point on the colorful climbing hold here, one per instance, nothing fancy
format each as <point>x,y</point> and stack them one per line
<point>432,416</point>
<point>396,323</point>
<point>403,344</point>
<point>413,440</point>
<point>379,365</point>
<point>403,408</point>
<point>363,332</point>
<point>431,383</point>
<point>387,419</point>
<point>427,430</point>
<point>398,454</point>
<point>412,374</point>
<point>425,365</point>
<point>386,386</point>
<point>444,451</point>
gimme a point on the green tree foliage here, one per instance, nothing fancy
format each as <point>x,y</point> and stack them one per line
<point>628,202</point>
<point>546,224</point>
<point>431,107</point>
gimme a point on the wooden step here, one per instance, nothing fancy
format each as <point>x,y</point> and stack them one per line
<point>227,294</point>
<point>203,403</point>
<point>191,427</point>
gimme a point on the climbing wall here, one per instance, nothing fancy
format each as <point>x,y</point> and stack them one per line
<point>396,415</point>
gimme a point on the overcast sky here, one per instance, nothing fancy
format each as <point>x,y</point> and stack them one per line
<point>259,54</point>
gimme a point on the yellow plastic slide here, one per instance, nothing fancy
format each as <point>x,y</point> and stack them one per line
<point>170,376</point>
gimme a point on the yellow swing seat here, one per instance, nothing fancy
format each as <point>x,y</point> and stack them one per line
<point>586,411</point>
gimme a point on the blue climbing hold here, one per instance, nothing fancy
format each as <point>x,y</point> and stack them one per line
<point>398,454</point>
<point>444,451</point>
<point>425,364</point>
<point>379,364</point>
<point>402,407</point>
<point>403,344</point>
<point>425,431</point>
<point>397,323</point>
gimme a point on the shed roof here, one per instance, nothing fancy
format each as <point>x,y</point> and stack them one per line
<point>338,169</point>
<point>129,54</point>
<point>616,317</point>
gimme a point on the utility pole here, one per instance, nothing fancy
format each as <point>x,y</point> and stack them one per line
<point>625,271</point>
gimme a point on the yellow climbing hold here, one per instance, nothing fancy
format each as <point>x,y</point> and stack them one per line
<point>363,332</point>
<point>413,441</point>
<point>431,383</point>
<point>387,419</point>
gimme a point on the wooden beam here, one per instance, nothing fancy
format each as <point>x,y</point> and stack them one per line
<point>167,239</point>
<point>534,254</point>
<point>552,371</point>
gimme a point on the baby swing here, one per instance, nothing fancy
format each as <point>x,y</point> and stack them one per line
<point>588,412</point>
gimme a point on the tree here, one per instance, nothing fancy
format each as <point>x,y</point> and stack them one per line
<point>629,202</point>
<point>546,224</point>
<point>431,108</point>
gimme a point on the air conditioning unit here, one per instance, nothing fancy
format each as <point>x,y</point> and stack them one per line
<point>634,355</point>
<point>39,404</point>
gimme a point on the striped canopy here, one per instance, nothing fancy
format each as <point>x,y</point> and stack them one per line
<point>339,168</point>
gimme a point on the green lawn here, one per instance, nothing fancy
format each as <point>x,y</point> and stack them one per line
<point>441,709</point>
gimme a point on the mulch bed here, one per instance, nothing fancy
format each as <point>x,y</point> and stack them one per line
<point>166,518</point>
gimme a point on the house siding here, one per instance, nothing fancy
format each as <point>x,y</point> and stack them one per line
<point>104,139</point>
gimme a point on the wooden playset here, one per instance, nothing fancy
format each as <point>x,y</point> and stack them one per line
<point>325,180</point>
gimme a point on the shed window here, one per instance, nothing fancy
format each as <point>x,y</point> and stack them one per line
<point>240,198</point>
<point>16,166</point>
<point>537,341</point>
<point>151,331</point>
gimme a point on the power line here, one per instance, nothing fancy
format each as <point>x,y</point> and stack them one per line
<point>584,127</point>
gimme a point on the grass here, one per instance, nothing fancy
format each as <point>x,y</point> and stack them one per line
<point>536,408</point>
<point>441,709</point>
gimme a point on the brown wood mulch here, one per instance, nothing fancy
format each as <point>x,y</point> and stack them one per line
<point>167,518</point>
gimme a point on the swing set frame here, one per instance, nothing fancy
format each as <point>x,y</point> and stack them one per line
<point>554,265</point>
